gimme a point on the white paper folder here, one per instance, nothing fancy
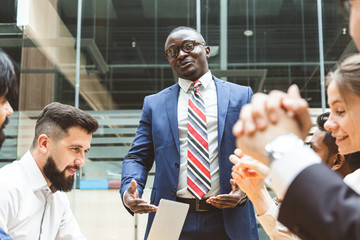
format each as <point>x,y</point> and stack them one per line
<point>168,221</point>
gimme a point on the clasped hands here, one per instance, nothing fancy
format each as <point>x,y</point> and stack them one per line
<point>268,116</point>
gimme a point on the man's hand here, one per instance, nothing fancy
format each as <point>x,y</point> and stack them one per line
<point>132,200</point>
<point>228,200</point>
<point>266,109</point>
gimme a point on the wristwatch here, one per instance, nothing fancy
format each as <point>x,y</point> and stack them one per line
<point>280,145</point>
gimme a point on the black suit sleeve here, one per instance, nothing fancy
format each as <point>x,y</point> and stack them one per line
<point>319,205</point>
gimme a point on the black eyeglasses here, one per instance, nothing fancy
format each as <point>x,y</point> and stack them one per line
<point>186,46</point>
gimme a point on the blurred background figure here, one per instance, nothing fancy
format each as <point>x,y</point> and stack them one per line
<point>8,91</point>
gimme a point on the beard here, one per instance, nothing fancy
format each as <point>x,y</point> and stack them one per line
<point>59,182</point>
<point>2,133</point>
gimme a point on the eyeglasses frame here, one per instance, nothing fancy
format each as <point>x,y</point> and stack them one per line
<point>195,43</point>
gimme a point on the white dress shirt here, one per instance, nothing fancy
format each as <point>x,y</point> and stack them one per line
<point>28,208</point>
<point>208,91</point>
<point>353,180</point>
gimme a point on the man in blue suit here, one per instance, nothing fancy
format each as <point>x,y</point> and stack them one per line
<point>224,212</point>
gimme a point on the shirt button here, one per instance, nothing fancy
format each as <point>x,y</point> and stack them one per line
<point>177,165</point>
<point>173,192</point>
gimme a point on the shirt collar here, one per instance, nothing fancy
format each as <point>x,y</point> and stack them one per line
<point>37,180</point>
<point>205,80</point>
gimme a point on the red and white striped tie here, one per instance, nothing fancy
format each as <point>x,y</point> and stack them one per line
<point>198,167</point>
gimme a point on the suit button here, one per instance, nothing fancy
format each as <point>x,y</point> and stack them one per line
<point>177,165</point>
<point>173,192</point>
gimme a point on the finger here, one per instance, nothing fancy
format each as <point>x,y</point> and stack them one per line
<point>248,173</point>
<point>234,159</point>
<point>137,201</point>
<point>224,201</point>
<point>294,91</point>
<point>298,107</point>
<point>238,128</point>
<point>259,105</point>
<point>234,186</point>
<point>274,105</point>
<point>133,186</point>
<point>134,203</point>
<point>247,119</point>
<point>224,205</point>
<point>293,101</point>
<point>237,177</point>
<point>145,208</point>
<point>238,153</point>
<point>236,168</point>
<point>254,165</point>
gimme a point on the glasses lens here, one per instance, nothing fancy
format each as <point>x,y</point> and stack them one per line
<point>172,52</point>
<point>187,47</point>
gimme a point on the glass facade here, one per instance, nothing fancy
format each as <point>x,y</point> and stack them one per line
<point>265,44</point>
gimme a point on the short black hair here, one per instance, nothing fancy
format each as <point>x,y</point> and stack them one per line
<point>328,140</point>
<point>56,118</point>
<point>180,28</point>
<point>8,82</point>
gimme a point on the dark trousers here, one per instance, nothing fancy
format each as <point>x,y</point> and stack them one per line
<point>204,225</point>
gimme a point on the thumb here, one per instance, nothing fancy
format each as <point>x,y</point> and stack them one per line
<point>239,153</point>
<point>133,186</point>
<point>234,186</point>
<point>294,91</point>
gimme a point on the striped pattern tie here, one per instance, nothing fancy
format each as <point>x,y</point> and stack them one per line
<point>198,167</point>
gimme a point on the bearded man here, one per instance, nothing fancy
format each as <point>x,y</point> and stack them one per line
<point>33,204</point>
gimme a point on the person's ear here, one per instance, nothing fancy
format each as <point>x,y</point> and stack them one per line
<point>207,50</point>
<point>339,161</point>
<point>43,143</point>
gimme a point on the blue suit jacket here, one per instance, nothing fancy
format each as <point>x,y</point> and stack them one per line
<point>157,138</point>
<point>4,235</point>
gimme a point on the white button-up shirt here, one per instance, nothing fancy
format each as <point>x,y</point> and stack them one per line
<point>208,91</point>
<point>28,208</point>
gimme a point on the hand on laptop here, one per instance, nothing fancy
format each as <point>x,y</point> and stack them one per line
<point>228,200</point>
<point>136,204</point>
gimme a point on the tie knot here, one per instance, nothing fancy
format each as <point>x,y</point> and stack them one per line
<point>197,84</point>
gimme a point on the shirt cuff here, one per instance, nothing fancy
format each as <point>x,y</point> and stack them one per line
<point>285,169</point>
<point>273,211</point>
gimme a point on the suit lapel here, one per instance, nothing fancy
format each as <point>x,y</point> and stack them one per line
<point>223,96</point>
<point>171,102</point>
